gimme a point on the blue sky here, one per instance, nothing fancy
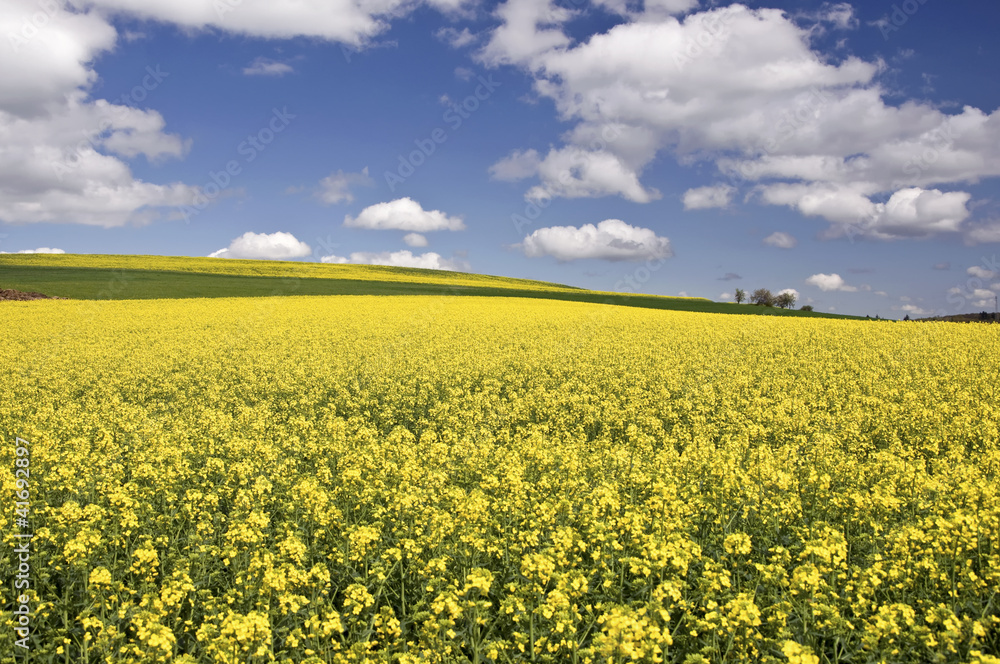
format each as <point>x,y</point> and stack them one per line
<point>848,152</point>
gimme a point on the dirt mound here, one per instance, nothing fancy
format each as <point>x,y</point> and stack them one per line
<point>8,294</point>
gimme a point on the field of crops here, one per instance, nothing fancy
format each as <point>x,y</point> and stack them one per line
<point>429,479</point>
<point>284,269</point>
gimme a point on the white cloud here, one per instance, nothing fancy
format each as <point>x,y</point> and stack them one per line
<point>63,157</point>
<point>984,233</point>
<point>916,212</point>
<point>42,65</point>
<point>914,309</point>
<point>911,212</point>
<point>528,29</point>
<point>746,89</point>
<point>40,250</point>
<point>611,239</point>
<point>633,76</point>
<point>516,166</point>
<point>404,258</point>
<point>403,214</point>
<point>781,240</point>
<point>266,67</point>
<point>415,240</point>
<point>840,15</point>
<point>838,204</point>
<point>346,21</point>
<point>455,38</point>
<point>977,297</point>
<point>700,198</point>
<point>830,282</point>
<point>273,246</point>
<point>980,272</point>
<point>726,296</point>
<point>792,291</point>
<point>576,173</point>
<point>336,187</point>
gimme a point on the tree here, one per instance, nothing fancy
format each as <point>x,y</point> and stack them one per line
<point>762,297</point>
<point>906,317</point>
<point>806,307</point>
<point>785,300</point>
<point>741,295</point>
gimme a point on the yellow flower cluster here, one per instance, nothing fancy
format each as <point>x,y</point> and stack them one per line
<point>421,479</point>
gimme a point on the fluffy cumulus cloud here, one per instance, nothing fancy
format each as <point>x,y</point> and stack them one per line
<point>781,240</point>
<point>980,272</point>
<point>977,297</point>
<point>267,67</point>
<point>528,29</point>
<point>611,239</point>
<point>830,282</point>
<point>516,166</point>
<point>744,89</point>
<point>336,187</point>
<point>914,310</point>
<point>266,246</point>
<point>347,21</point>
<point>841,15</point>
<point>40,250</point>
<point>405,258</point>
<point>64,157</point>
<point>573,172</point>
<point>988,232</point>
<point>702,198</point>
<point>910,212</point>
<point>455,38</point>
<point>415,240</point>
<point>404,214</point>
<point>65,153</point>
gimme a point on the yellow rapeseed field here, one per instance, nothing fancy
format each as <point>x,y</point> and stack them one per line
<point>426,479</point>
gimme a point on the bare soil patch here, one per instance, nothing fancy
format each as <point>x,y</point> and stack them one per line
<point>10,294</point>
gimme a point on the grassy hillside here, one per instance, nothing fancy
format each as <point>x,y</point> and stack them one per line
<point>258,268</point>
<point>109,277</point>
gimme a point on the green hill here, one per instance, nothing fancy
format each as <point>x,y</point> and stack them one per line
<point>114,277</point>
